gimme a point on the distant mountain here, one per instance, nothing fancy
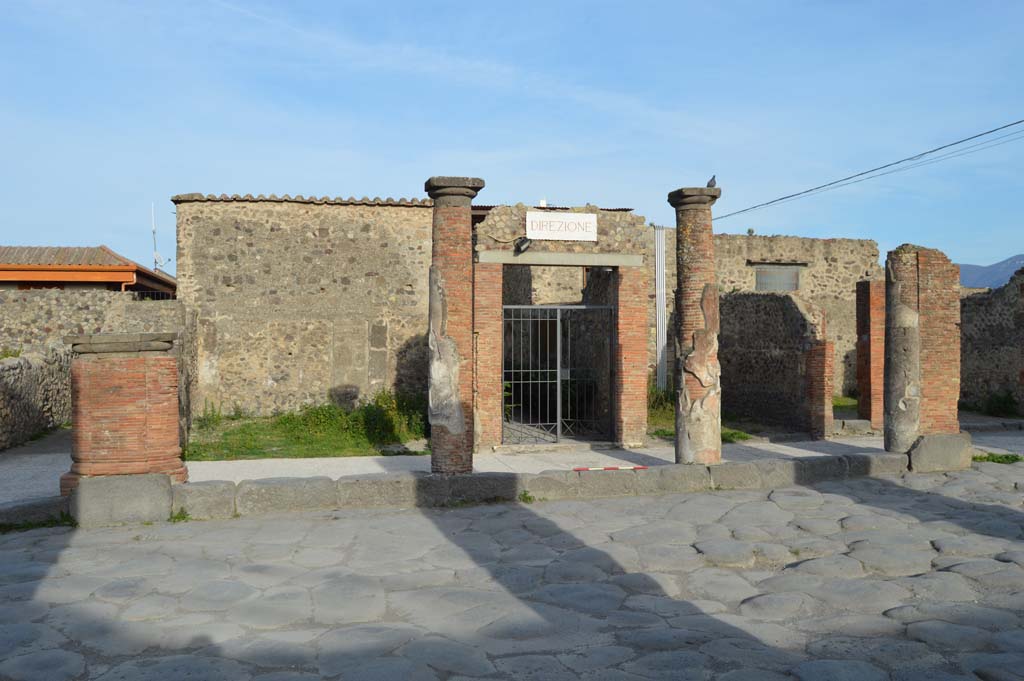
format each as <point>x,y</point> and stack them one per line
<point>990,276</point>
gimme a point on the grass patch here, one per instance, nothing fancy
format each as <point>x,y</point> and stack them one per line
<point>319,431</point>
<point>729,435</point>
<point>7,353</point>
<point>526,498</point>
<point>63,520</point>
<point>844,402</point>
<point>180,516</point>
<point>999,458</point>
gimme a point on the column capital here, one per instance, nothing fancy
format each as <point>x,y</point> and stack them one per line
<point>694,197</point>
<point>443,186</point>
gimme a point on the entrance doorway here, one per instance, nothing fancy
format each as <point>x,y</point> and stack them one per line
<point>556,373</point>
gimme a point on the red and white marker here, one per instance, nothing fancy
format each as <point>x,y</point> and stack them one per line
<point>611,468</point>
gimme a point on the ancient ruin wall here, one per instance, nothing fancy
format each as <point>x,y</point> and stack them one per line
<point>35,393</point>
<point>829,281</point>
<point>768,366</point>
<point>992,343</point>
<point>299,302</point>
<point>37,317</point>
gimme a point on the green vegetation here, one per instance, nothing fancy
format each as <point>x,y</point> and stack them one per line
<point>661,407</point>
<point>1001,404</point>
<point>526,498</point>
<point>317,431</point>
<point>844,402</point>
<point>63,520</point>
<point>999,458</point>
<point>179,516</point>
<point>729,435</point>
<point>6,353</point>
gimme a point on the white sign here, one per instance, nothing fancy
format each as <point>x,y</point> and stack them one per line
<point>546,226</point>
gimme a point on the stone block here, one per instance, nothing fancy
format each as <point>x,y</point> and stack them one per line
<point>735,475</point>
<point>813,469</point>
<point>550,485</point>
<point>432,490</point>
<point>207,500</point>
<point>280,495</point>
<point>684,478</point>
<point>598,484</point>
<point>884,463</point>
<point>383,489</point>
<point>777,472</point>
<point>121,499</point>
<point>32,510</point>
<point>483,487</point>
<point>937,453</point>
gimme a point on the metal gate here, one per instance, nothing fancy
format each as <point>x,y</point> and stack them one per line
<point>556,373</point>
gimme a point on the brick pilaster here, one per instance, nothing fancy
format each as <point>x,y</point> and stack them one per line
<point>939,305</point>
<point>124,401</point>
<point>922,386</point>
<point>871,350</point>
<point>820,366</point>
<point>487,281</point>
<point>450,335</point>
<point>697,371</point>
<point>630,356</point>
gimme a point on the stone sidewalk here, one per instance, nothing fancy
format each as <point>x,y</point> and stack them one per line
<point>33,470</point>
<point>917,578</point>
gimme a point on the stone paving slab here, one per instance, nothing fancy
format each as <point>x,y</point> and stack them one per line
<point>719,585</point>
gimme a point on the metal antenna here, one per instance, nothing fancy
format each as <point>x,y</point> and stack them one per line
<point>158,262</point>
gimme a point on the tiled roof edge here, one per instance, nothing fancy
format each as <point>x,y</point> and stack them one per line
<point>299,198</point>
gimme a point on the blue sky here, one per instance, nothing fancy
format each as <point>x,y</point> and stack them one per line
<point>107,107</point>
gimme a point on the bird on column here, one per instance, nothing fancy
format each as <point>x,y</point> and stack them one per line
<point>711,183</point>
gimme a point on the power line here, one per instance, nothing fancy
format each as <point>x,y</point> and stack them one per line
<point>916,157</point>
<point>971,149</point>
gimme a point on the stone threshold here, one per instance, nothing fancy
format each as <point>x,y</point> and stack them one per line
<point>114,500</point>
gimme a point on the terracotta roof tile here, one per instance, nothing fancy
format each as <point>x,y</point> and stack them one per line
<point>61,255</point>
<point>299,198</point>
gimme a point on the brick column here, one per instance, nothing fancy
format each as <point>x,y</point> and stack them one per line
<point>871,351</point>
<point>630,356</point>
<point>450,335</point>
<point>124,404</point>
<point>697,371</point>
<point>487,326</point>
<point>820,371</point>
<point>922,346</point>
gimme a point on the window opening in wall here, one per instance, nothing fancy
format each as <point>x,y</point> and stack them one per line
<point>776,278</point>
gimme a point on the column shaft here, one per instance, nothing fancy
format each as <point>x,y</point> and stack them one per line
<point>697,371</point>
<point>450,333</point>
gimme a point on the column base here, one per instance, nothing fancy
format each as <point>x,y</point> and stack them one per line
<point>69,481</point>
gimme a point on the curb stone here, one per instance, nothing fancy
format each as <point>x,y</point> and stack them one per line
<point>223,499</point>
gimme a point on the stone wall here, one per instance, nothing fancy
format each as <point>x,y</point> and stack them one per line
<point>35,393</point>
<point>302,301</point>
<point>828,280</point>
<point>992,343</point>
<point>768,368</point>
<point>37,317</point>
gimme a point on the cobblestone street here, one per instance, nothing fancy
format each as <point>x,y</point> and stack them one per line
<point>915,578</point>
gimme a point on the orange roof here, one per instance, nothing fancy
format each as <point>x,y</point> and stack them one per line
<point>75,263</point>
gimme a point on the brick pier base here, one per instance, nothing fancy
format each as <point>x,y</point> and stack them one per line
<point>124,400</point>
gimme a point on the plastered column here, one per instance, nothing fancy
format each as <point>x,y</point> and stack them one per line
<point>902,351</point>
<point>697,371</point>
<point>450,333</point>
<point>124,403</point>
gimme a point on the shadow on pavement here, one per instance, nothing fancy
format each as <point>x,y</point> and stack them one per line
<point>611,590</point>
